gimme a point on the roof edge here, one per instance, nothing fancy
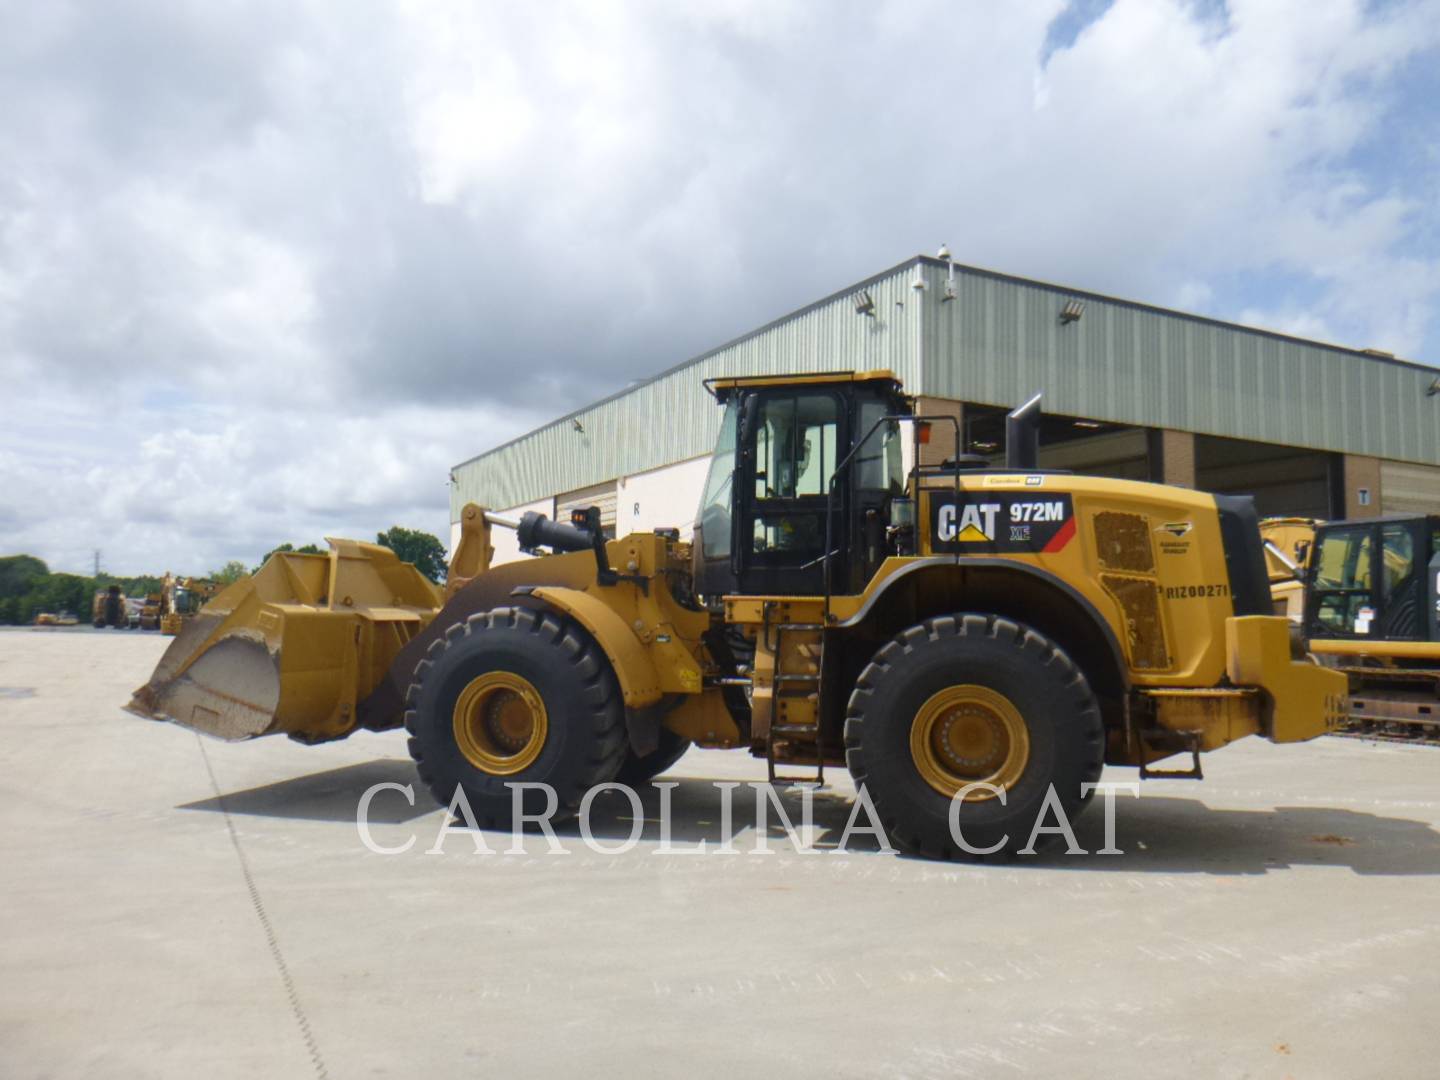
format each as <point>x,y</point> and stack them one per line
<point>964,268</point>
<point>839,294</point>
<point>1209,320</point>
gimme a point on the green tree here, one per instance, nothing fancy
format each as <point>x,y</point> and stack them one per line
<point>19,573</point>
<point>230,573</point>
<point>419,549</point>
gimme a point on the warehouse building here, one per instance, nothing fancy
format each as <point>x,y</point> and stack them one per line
<point>1130,390</point>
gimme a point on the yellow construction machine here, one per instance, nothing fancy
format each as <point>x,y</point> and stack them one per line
<point>1366,597</point>
<point>110,609</point>
<point>153,610</point>
<point>951,632</point>
<point>1287,551</point>
<point>181,598</point>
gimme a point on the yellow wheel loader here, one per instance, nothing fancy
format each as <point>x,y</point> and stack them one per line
<point>954,634</point>
<point>109,609</point>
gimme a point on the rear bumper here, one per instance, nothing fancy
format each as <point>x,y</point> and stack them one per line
<point>1300,699</point>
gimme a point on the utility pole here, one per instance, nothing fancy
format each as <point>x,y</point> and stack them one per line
<point>97,562</point>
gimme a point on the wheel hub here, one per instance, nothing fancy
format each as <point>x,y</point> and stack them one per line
<point>968,734</point>
<point>500,723</point>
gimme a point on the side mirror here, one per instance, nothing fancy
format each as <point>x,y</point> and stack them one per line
<point>749,413</point>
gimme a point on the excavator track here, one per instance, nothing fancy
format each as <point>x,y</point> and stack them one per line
<point>1410,732</point>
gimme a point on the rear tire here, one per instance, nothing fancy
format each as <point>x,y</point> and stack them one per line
<point>638,770</point>
<point>965,698</point>
<point>467,704</point>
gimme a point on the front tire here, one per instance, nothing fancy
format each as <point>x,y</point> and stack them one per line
<point>514,696</point>
<point>965,699</point>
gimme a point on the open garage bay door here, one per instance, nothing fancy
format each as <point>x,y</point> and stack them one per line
<point>1409,489</point>
<point>1122,454</point>
<point>1077,444</point>
<point>1285,480</point>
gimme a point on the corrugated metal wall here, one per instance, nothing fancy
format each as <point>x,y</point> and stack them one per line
<point>1001,340</point>
<point>1409,489</point>
<point>672,418</point>
<point>998,342</point>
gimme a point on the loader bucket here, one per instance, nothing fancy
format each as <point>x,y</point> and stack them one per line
<point>293,648</point>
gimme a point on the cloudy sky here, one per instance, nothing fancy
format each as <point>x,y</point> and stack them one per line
<point>268,269</point>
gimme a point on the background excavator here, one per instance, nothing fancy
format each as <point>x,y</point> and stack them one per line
<point>1365,596</point>
<point>959,635</point>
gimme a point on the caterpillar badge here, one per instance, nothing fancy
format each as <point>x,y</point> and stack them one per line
<point>960,631</point>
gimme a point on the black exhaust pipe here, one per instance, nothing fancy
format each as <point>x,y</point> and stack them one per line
<point>1022,436</point>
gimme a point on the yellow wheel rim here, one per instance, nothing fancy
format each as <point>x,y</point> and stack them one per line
<point>500,723</point>
<point>969,734</point>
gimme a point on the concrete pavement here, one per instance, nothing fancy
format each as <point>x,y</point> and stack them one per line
<point>174,906</point>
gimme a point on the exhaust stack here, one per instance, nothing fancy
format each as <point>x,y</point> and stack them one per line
<point>1022,436</point>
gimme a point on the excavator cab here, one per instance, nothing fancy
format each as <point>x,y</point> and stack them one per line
<point>805,468</point>
<point>1372,610</point>
<point>1375,580</point>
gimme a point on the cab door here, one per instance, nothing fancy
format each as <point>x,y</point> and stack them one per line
<point>790,440</point>
<point>1401,615</point>
<point>1368,581</point>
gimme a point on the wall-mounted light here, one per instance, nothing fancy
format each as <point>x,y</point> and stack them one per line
<point>1434,388</point>
<point>577,426</point>
<point>944,253</point>
<point>864,303</point>
<point>1071,312</point>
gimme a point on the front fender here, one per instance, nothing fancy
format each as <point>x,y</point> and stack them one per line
<point>639,681</point>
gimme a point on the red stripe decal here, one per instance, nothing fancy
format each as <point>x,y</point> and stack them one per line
<point>1061,538</point>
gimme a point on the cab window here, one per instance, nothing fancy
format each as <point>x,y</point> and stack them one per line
<point>1344,560</point>
<point>1397,558</point>
<point>880,462</point>
<point>795,440</point>
<point>795,446</point>
<point>715,505</point>
<point>1343,599</point>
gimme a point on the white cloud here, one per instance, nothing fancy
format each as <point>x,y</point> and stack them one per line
<point>154,491</point>
<point>267,270</point>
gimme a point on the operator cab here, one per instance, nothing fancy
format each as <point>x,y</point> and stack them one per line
<point>762,527</point>
<point>1376,580</point>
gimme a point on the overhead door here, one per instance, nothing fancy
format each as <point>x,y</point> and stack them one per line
<point>601,495</point>
<point>1409,489</point>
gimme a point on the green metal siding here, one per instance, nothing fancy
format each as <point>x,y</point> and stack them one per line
<point>673,418</point>
<point>999,341</point>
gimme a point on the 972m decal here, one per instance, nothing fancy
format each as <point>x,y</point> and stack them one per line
<point>991,522</point>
